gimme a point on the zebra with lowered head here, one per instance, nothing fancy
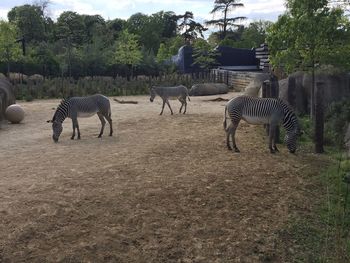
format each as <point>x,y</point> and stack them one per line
<point>262,111</point>
<point>75,107</point>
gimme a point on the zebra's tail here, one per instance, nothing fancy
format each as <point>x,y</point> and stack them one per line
<point>224,122</point>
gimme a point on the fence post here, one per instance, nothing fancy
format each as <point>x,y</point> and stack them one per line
<point>274,92</point>
<point>319,117</point>
<point>292,92</point>
<point>266,90</point>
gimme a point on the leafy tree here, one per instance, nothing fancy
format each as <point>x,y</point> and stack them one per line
<point>70,31</point>
<point>254,35</point>
<point>95,56</point>
<point>169,23</point>
<point>204,55</point>
<point>148,65</point>
<point>44,59</point>
<point>70,27</point>
<point>93,24</point>
<point>224,7</point>
<point>116,26</point>
<point>163,53</point>
<point>308,34</point>
<point>169,48</point>
<point>29,21</point>
<point>128,51</point>
<point>191,29</point>
<point>9,50</point>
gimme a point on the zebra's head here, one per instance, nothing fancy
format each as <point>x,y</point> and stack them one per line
<point>291,139</point>
<point>57,130</point>
<point>152,93</point>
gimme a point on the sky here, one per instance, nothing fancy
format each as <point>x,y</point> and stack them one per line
<point>110,9</point>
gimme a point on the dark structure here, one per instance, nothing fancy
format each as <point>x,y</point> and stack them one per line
<point>229,58</point>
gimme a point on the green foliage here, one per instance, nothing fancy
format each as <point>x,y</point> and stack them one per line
<point>225,7</point>
<point>309,33</point>
<point>9,50</point>
<point>204,55</point>
<point>337,119</point>
<point>127,49</point>
<point>70,28</point>
<point>190,29</point>
<point>30,22</point>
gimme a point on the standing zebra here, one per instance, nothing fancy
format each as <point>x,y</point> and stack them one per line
<point>75,107</point>
<point>262,111</point>
<point>166,93</point>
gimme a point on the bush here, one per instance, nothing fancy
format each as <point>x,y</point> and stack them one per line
<point>336,120</point>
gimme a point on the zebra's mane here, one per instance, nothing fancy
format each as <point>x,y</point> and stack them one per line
<point>63,101</point>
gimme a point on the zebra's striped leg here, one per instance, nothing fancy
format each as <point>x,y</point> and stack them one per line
<point>109,119</point>
<point>77,126</point>
<point>162,108</point>
<point>167,102</point>
<point>185,102</point>
<point>103,123</point>
<point>272,138</point>
<point>231,130</point>
<point>73,134</point>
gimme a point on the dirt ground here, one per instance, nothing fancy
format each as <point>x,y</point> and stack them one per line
<point>162,189</point>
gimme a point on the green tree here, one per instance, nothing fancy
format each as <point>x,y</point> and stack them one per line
<point>169,48</point>
<point>70,27</point>
<point>225,7</point>
<point>116,26</point>
<point>29,21</point>
<point>189,28</point>
<point>70,31</point>
<point>308,34</point>
<point>9,50</point>
<point>204,55</point>
<point>128,51</point>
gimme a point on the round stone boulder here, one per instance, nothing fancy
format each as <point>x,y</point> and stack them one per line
<point>206,89</point>
<point>14,113</point>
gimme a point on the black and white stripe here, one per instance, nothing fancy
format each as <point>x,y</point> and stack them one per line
<point>75,107</point>
<point>262,111</point>
<point>166,93</point>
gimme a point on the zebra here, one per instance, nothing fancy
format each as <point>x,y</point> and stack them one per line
<point>75,107</point>
<point>177,92</point>
<point>262,111</point>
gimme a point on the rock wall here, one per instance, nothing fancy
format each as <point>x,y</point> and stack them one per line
<point>296,89</point>
<point>7,96</point>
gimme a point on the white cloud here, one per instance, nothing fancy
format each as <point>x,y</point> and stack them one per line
<point>3,13</point>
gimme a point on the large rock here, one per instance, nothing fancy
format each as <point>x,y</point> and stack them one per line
<point>254,87</point>
<point>36,78</point>
<point>204,89</point>
<point>296,89</point>
<point>16,77</point>
<point>7,96</point>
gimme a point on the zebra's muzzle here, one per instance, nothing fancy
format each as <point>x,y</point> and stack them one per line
<point>151,100</point>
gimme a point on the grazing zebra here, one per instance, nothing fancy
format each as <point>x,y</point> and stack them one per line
<point>262,111</point>
<point>166,93</point>
<point>75,107</point>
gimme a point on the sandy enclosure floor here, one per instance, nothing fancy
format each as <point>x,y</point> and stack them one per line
<point>162,189</point>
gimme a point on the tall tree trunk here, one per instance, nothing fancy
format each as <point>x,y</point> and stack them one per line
<point>319,117</point>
